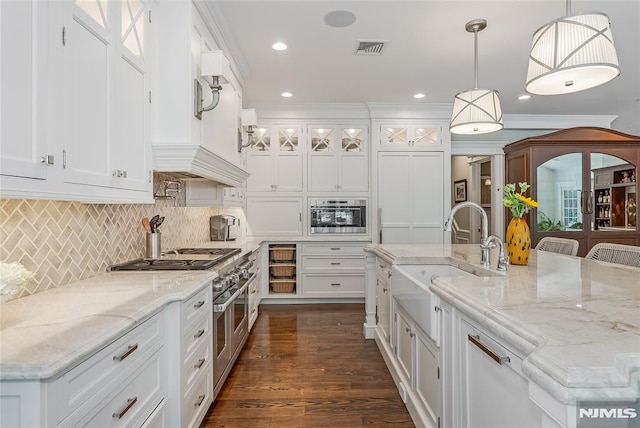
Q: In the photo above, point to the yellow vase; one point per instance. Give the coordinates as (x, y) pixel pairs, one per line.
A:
(518, 241)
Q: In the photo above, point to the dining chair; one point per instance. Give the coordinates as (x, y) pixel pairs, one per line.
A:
(558, 245)
(615, 253)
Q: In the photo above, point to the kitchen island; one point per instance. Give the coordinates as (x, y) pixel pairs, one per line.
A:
(571, 325)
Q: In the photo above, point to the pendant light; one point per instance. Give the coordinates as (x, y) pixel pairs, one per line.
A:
(571, 54)
(476, 111)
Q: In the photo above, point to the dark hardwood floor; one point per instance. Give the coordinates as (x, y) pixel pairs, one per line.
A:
(309, 366)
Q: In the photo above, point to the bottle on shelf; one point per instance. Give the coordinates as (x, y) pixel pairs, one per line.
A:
(600, 199)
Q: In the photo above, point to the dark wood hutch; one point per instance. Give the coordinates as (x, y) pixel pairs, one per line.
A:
(585, 181)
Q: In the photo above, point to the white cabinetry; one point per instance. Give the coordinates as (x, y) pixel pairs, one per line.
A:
(333, 269)
(120, 385)
(255, 287)
(274, 159)
(418, 362)
(338, 159)
(189, 326)
(75, 100)
(274, 216)
(105, 97)
(411, 197)
(383, 298)
(24, 89)
(494, 392)
(403, 136)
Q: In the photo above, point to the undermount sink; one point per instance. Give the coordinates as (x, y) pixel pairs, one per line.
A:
(409, 286)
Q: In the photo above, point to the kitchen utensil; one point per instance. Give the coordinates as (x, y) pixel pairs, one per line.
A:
(146, 224)
(153, 222)
(159, 223)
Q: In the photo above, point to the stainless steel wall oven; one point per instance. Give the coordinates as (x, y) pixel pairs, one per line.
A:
(338, 216)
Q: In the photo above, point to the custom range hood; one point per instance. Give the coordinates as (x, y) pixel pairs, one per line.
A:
(194, 160)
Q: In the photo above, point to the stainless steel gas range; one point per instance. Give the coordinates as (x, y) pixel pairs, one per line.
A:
(230, 297)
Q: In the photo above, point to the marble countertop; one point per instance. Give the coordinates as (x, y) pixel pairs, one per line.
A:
(575, 322)
(48, 333)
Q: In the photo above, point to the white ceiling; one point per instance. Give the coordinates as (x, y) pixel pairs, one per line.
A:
(428, 51)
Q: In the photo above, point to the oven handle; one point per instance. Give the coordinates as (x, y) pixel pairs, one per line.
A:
(223, 307)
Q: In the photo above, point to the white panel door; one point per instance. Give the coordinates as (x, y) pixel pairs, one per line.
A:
(411, 197)
(274, 216)
(427, 198)
(87, 62)
(260, 166)
(493, 394)
(23, 88)
(130, 145)
(354, 173)
(427, 376)
(289, 172)
(323, 172)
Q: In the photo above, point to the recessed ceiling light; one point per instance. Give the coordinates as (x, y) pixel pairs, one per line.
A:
(279, 46)
(287, 94)
(339, 18)
(524, 97)
(418, 96)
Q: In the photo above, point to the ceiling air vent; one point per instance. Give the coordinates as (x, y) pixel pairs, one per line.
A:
(370, 47)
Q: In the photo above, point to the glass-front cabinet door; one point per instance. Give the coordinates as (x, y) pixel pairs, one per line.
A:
(588, 196)
(560, 194)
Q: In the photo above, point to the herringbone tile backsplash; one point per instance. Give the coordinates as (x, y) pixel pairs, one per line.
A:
(61, 242)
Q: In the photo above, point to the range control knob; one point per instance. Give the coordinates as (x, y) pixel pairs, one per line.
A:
(244, 273)
(234, 278)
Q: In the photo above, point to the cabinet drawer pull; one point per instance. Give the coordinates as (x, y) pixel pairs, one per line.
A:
(253, 311)
(200, 363)
(198, 334)
(384, 290)
(335, 248)
(199, 304)
(126, 353)
(335, 263)
(335, 284)
(475, 339)
(407, 329)
(200, 400)
(121, 413)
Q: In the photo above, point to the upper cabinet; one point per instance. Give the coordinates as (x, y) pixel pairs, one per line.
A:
(274, 159)
(338, 159)
(105, 95)
(24, 142)
(75, 100)
(410, 136)
(585, 182)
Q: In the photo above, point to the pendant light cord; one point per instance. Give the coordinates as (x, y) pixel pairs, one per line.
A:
(475, 59)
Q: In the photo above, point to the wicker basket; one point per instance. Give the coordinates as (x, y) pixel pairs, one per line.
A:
(282, 286)
(283, 253)
(283, 270)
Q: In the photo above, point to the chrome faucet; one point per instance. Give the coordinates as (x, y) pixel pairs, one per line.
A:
(484, 231)
(502, 259)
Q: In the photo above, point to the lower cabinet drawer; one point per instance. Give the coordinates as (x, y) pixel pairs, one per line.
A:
(158, 418)
(197, 363)
(198, 333)
(130, 403)
(333, 285)
(333, 263)
(338, 249)
(196, 402)
(92, 375)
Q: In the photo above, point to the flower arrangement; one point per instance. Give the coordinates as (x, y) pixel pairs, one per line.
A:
(13, 277)
(516, 201)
